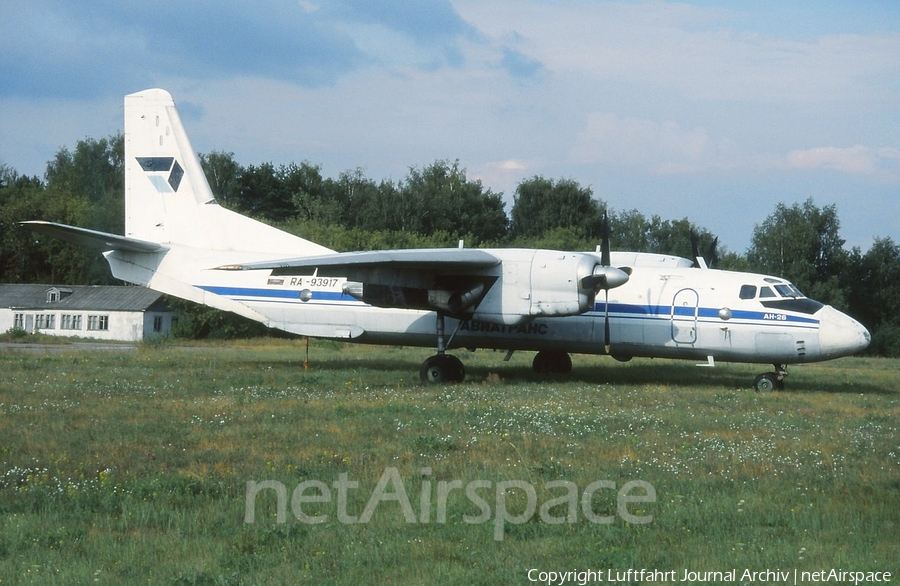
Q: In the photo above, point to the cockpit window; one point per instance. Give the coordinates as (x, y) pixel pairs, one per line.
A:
(778, 289)
(748, 291)
(788, 291)
(787, 298)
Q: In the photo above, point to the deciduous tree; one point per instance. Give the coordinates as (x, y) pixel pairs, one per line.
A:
(802, 243)
(542, 204)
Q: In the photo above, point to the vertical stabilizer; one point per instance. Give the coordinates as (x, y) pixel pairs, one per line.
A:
(167, 197)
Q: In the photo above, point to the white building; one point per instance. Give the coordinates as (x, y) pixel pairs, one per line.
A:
(129, 314)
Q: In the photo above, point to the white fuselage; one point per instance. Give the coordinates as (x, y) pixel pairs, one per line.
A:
(665, 310)
(506, 299)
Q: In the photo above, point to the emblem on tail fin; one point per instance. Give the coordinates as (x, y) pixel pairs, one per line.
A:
(164, 172)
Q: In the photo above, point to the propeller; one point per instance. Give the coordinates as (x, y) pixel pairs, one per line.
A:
(711, 256)
(605, 276)
(695, 247)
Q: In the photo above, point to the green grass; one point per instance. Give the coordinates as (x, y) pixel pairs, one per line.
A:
(132, 467)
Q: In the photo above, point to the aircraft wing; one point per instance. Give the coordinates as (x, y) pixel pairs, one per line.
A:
(352, 264)
(102, 241)
(431, 259)
(452, 280)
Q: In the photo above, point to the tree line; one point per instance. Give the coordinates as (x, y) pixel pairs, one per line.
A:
(434, 206)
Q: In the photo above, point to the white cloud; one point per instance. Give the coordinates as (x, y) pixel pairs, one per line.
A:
(882, 163)
(502, 176)
(668, 148)
(661, 147)
(691, 50)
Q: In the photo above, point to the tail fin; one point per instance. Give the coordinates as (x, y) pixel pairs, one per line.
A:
(167, 197)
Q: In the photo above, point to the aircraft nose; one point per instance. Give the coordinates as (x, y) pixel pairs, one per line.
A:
(840, 334)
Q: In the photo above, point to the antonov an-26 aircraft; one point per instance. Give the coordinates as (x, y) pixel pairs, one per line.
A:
(179, 241)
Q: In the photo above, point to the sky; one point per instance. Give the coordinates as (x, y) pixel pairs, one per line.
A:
(711, 111)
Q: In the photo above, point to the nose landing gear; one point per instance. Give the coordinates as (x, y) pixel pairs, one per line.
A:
(771, 381)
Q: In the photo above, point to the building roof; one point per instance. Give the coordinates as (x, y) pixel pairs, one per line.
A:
(80, 298)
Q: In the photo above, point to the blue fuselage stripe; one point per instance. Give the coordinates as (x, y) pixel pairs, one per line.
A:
(274, 294)
(701, 313)
(620, 310)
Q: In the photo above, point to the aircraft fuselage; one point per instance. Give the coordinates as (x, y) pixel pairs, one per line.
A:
(662, 311)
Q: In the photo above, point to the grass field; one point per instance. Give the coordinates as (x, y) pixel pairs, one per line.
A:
(133, 468)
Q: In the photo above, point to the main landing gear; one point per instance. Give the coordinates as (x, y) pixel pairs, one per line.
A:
(771, 381)
(442, 367)
(552, 362)
(445, 368)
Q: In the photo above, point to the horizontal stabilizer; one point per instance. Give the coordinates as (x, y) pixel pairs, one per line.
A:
(102, 241)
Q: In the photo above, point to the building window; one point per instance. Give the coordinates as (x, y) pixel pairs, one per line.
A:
(55, 294)
(19, 321)
(98, 322)
(157, 323)
(68, 321)
(45, 321)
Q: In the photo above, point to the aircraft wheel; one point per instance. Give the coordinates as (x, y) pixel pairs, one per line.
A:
(442, 368)
(767, 382)
(552, 361)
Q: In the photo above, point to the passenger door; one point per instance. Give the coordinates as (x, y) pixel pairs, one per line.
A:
(685, 310)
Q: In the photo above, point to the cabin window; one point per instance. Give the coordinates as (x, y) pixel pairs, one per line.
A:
(748, 292)
(766, 292)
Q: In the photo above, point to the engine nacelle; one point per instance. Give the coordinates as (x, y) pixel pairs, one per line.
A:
(556, 283)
